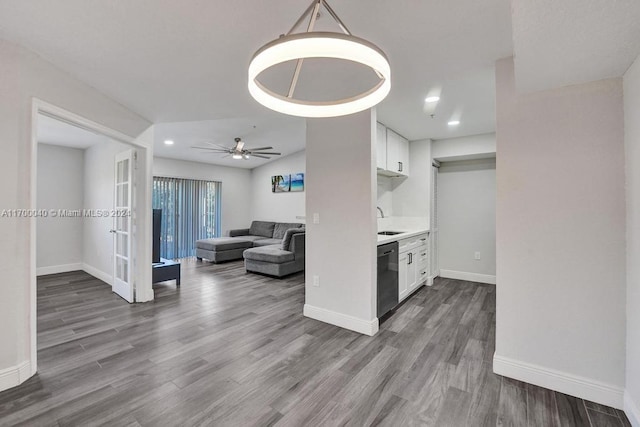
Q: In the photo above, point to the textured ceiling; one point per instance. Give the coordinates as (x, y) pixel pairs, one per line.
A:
(560, 43)
(187, 60)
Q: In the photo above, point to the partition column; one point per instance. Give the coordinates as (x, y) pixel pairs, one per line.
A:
(341, 222)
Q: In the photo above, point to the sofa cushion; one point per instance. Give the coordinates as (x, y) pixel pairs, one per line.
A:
(224, 243)
(239, 232)
(252, 239)
(266, 242)
(282, 227)
(288, 235)
(262, 228)
(273, 254)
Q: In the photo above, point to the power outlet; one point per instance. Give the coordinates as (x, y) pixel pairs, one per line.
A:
(316, 281)
(316, 218)
(477, 255)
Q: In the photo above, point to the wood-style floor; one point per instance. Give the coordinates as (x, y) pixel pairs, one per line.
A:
(230, 348)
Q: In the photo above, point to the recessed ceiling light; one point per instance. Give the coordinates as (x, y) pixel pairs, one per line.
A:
(454, 123)
(168, 142)
(431, 99)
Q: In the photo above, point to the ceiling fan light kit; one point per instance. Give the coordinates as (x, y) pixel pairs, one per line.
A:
(318, 44)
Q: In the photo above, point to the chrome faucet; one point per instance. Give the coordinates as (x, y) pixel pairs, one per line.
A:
(381, 213)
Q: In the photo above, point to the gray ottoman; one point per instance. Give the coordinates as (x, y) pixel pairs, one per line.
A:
(222, 249)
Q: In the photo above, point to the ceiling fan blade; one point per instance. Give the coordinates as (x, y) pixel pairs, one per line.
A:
(213, 150)
(262, 152)
(258, 155)
(217, 145)
(260, 148)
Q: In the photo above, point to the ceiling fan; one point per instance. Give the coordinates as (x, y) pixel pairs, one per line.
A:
(239, 152)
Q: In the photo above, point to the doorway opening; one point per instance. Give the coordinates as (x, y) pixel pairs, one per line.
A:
(93, 205)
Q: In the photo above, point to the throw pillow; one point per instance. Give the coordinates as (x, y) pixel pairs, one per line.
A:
(288, 235)
(282, 227)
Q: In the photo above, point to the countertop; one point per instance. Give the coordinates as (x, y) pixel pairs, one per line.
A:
(404, 235)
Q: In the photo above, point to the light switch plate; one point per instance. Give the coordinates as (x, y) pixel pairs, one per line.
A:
(316, 218)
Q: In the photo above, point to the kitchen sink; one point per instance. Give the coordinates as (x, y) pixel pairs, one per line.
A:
(389, 233)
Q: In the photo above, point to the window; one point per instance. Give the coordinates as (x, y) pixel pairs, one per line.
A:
(190, 211)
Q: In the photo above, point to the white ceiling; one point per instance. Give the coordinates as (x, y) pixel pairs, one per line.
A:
(285, 134)
(55, 132)
(560, 43)
(187, 60)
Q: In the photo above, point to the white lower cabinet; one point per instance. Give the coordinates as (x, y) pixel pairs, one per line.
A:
(403, 274)
(413, 263)
(423, 263)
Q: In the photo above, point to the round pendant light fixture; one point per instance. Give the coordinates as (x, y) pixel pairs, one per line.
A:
(310, 44)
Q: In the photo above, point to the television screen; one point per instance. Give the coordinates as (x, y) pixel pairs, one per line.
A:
(157, 224)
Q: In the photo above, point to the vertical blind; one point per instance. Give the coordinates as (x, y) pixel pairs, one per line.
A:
(190, 211)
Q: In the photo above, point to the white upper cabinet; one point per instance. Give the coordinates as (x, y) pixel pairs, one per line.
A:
(381, 146)
(393, 152)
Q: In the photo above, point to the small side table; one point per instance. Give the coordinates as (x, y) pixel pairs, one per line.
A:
(166, 270)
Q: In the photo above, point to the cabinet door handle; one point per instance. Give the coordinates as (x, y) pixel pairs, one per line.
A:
(424, 253)
(399, 166)
(424, 240)
(410, 258)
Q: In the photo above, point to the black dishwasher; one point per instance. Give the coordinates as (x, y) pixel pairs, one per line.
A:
(387, 278)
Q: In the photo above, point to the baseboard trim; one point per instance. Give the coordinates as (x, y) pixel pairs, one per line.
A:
(469, 277)
(107, 278)
(584, 388)
(15, 375)
(342, 320)
(632, 411)
(55, 269)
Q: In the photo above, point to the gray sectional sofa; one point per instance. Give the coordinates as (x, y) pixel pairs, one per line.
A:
(278, 260)
(273, 248)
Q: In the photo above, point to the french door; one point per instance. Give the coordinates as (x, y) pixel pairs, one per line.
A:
(122, 265)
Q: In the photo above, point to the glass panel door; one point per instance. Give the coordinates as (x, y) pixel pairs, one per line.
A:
(122, 282)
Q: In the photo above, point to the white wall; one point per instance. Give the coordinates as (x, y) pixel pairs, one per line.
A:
(467, 219)
(411, 196)
(236, 187)
(60, 186)
(465, 148)
(99, 178)
(24, 76)
(632, 151)
(560, 221)
(385, 195)
(282, 207)
(341, 249)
